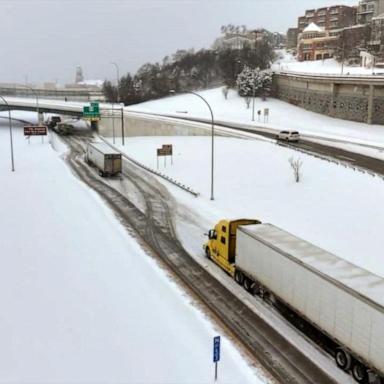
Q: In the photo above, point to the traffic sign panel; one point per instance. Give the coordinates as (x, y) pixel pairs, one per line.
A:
(35, 130)
(216, 349)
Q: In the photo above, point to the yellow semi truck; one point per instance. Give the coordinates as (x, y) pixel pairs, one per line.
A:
(221, 245)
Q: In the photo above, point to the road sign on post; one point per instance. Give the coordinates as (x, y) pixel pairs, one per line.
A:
(216, 353)
(35, 130)
(266, 115)
(165, 150)
(92, 112)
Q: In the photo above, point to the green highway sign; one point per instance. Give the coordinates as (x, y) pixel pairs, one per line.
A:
(92, 111)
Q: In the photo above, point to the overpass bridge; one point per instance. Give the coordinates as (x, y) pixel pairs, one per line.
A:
(86, 93)
(70, 108)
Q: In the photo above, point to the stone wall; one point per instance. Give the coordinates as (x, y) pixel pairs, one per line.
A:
(361, 102)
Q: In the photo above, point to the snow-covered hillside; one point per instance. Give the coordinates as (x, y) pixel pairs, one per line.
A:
(282, 115)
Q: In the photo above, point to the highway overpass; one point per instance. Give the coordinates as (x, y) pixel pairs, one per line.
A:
(75, 94)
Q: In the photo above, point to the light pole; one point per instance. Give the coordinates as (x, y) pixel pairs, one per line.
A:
(113, 123)
(212, 137)
(255, 71)
(10, 132)
(118, 80)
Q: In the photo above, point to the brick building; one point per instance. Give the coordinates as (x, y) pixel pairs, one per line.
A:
(376, 42)
(335, 17)
(368, 9)
(315, 43)
(352, 41)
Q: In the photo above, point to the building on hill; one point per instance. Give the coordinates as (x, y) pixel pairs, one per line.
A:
(315, 43)
(238, 38)
(368, 9)
(292, 35)
(352, 41)
(335, 17)
(376, 42)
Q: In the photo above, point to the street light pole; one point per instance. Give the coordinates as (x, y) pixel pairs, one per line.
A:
(212, 138)
(118, 80)
(10, 132)
(113, 123)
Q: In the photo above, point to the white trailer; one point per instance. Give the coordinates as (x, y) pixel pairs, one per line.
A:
(102, 156)
(343, 301)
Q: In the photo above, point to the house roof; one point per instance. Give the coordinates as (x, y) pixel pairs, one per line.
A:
(313, 28)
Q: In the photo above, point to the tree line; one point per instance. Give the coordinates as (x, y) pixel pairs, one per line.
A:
(191, 70)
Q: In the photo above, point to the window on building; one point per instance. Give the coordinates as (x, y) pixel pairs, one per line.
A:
(222, 239)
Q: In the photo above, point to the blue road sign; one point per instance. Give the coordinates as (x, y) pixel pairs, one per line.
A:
(216, 349)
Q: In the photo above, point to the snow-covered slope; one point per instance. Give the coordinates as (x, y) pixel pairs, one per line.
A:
(81, 302)
(282, 115)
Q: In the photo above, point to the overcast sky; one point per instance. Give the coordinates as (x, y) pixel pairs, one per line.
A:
(46, 39)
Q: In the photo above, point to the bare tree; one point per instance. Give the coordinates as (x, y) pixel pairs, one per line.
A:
(296, 167)
(225, 91)
(248, 101)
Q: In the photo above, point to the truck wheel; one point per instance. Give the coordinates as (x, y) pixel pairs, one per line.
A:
(249, 285)
(239, 277)
(208, 253)
(343, 359)
(359, 373)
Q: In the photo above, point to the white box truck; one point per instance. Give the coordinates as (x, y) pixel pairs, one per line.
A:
(104, 158)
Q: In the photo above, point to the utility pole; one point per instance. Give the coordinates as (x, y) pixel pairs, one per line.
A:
(122, 126)
(342, 58)
(10, 132)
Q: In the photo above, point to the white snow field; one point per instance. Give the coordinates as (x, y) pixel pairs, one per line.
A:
(282, 115)
(333, 207)
(81, 301)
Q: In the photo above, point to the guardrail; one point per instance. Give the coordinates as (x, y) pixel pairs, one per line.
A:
(153, 171)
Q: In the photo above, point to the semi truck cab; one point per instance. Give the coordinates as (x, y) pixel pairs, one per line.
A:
(221, 244)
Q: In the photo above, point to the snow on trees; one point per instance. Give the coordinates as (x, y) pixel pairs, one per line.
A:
(253, 82)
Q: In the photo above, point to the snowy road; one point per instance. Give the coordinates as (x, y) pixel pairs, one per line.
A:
(153, 223)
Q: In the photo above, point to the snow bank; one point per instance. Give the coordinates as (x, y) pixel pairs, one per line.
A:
(81, 301)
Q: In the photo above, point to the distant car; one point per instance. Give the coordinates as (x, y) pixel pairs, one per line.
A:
(53, 120)
(292, 136)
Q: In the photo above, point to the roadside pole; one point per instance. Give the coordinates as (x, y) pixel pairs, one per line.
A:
(216, 353)
(122, 126)
(113, 124)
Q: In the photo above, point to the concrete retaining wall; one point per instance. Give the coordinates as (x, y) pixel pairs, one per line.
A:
(344, 98)
(142, 125)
